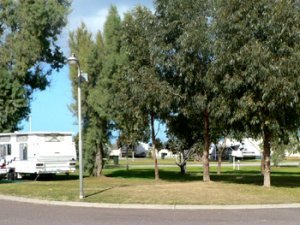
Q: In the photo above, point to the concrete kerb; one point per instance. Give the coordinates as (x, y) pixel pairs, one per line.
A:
(147, 206)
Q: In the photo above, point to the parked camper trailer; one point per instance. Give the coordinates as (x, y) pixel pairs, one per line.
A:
(247, 148)
(37, 152)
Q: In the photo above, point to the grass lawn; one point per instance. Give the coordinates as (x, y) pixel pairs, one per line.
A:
(138, 186)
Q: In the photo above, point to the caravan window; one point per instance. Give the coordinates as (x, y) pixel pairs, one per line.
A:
(22, 138)
(54, 138)
(23, 151)
(5, 150)
(4, 138)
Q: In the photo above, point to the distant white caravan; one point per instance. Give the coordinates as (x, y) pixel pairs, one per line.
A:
(246, 148)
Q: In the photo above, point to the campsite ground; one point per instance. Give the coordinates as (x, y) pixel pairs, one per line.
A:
(137, 185)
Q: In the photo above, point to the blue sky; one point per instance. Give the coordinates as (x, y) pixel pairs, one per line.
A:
(50, 108)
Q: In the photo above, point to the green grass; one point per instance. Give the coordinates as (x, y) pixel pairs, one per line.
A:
(138, 186)
(144, 161)
(168, 161)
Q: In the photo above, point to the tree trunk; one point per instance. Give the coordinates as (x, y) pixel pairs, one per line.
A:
(99, 160)
(183, 168)
(206, 176)
(220, 153)
(127, 161)
(262, 169)
(153, 147)
(219, 161)
(267, 151)
(181, 162)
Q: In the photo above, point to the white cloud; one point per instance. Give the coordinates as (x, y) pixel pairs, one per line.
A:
(94, 16)
(94, 22)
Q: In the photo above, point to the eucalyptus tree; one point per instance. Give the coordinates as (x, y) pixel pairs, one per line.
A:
(183, 133)
(98, 125)
(257, 64)
(184, 56)
(90, 54)
(101, 97)
(147, 92)
(28, 32)
(127, 116)
(124, 104)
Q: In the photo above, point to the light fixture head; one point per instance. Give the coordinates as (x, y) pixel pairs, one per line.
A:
(73, 59)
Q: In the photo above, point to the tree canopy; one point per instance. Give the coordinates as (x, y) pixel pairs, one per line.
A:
(257, 56)
(28, 31)
(207, 68)
(184, 56)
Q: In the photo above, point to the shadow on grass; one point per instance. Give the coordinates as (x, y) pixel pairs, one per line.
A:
(4, 181)
(98, 192)
(257, 179)
(251, 177)
(149, 174)
(50, 177)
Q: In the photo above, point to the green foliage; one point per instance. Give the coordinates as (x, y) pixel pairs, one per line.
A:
(182, 129)
(282, 146)
(208, 68)
(137, 80)
(102, 96)
(112, 31)
(294, 143)
(257, 50)
(138, 34)
(278, 154)
(100, 59)
(28, 32)
(148, 91)
(91, 55)
(184, 56)
(257, 55)
(13, 102)
(81, 44)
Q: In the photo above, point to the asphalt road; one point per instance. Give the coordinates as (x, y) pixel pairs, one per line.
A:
(16, 213)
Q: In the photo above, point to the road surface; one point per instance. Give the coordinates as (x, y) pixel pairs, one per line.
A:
(16, 213)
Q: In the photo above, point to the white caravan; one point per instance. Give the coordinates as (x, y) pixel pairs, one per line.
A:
(37, 152)
(246, 148)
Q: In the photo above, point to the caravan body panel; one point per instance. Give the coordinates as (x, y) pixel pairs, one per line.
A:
(38, 152)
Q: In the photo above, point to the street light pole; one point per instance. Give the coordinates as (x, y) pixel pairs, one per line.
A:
(74, 60)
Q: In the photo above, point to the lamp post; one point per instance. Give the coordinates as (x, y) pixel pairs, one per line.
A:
(73, 60)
